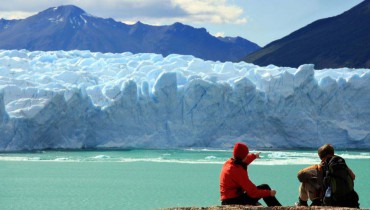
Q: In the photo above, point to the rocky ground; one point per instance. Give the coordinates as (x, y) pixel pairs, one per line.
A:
(236, 207)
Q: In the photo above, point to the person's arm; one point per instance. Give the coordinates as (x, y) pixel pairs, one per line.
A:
(250, 188)
(353, 176)
(251, 157)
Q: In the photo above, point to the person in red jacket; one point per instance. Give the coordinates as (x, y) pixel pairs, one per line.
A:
(235, 185)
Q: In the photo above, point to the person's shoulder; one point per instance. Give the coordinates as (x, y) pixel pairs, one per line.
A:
(309, 168)
(335, 158)
(228, 161)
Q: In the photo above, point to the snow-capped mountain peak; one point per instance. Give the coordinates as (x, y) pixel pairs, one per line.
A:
(68, 14)
(66, 11)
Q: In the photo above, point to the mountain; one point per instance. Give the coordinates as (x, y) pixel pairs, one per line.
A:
(4, 24)
(69, 27)
(340, 41)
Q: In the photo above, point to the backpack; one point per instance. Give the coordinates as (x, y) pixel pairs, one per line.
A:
(338, 183)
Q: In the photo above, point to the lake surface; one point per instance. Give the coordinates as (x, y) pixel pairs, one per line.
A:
(149, 179)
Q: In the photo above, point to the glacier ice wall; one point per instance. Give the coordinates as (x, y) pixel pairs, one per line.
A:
(79, 99)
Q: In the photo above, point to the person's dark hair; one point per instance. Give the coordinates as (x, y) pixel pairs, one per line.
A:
(239, 161)
(325, 150)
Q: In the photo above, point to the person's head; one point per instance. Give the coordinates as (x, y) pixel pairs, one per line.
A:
(240, 151)
(327, 150)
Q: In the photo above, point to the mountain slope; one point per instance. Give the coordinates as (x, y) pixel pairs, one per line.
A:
(340, 41)
(69, 27)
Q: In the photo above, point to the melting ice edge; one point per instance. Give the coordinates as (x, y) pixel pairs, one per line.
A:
(80, 99)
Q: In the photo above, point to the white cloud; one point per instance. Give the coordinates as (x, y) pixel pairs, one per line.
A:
(15, 15)
(213, 11)
(219, 34)
(149, 11)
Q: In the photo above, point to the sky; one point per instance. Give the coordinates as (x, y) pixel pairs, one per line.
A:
(259, 21)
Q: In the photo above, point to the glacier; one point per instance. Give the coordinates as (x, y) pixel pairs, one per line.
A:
(82, 99)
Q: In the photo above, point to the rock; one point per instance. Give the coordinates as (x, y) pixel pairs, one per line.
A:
(238, 207)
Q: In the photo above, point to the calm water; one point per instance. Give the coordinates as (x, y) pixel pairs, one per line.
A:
(148, 179)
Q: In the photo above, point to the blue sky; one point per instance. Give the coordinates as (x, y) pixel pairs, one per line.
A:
(260, 21)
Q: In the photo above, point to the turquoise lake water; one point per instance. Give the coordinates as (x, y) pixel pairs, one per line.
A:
(149, 179)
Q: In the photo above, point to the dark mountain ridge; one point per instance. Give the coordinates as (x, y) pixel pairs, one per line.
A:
(69, 27)
(340, 41)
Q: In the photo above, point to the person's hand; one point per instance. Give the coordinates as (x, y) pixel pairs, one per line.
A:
(257, 154)
(273, 193)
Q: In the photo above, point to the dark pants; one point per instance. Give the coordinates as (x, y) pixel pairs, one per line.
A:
(244, 199)
(350, 200)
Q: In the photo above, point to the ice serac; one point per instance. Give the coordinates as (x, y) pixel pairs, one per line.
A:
(79, 99)
(3, 114)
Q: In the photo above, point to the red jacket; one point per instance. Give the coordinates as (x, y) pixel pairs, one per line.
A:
(234, 177)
